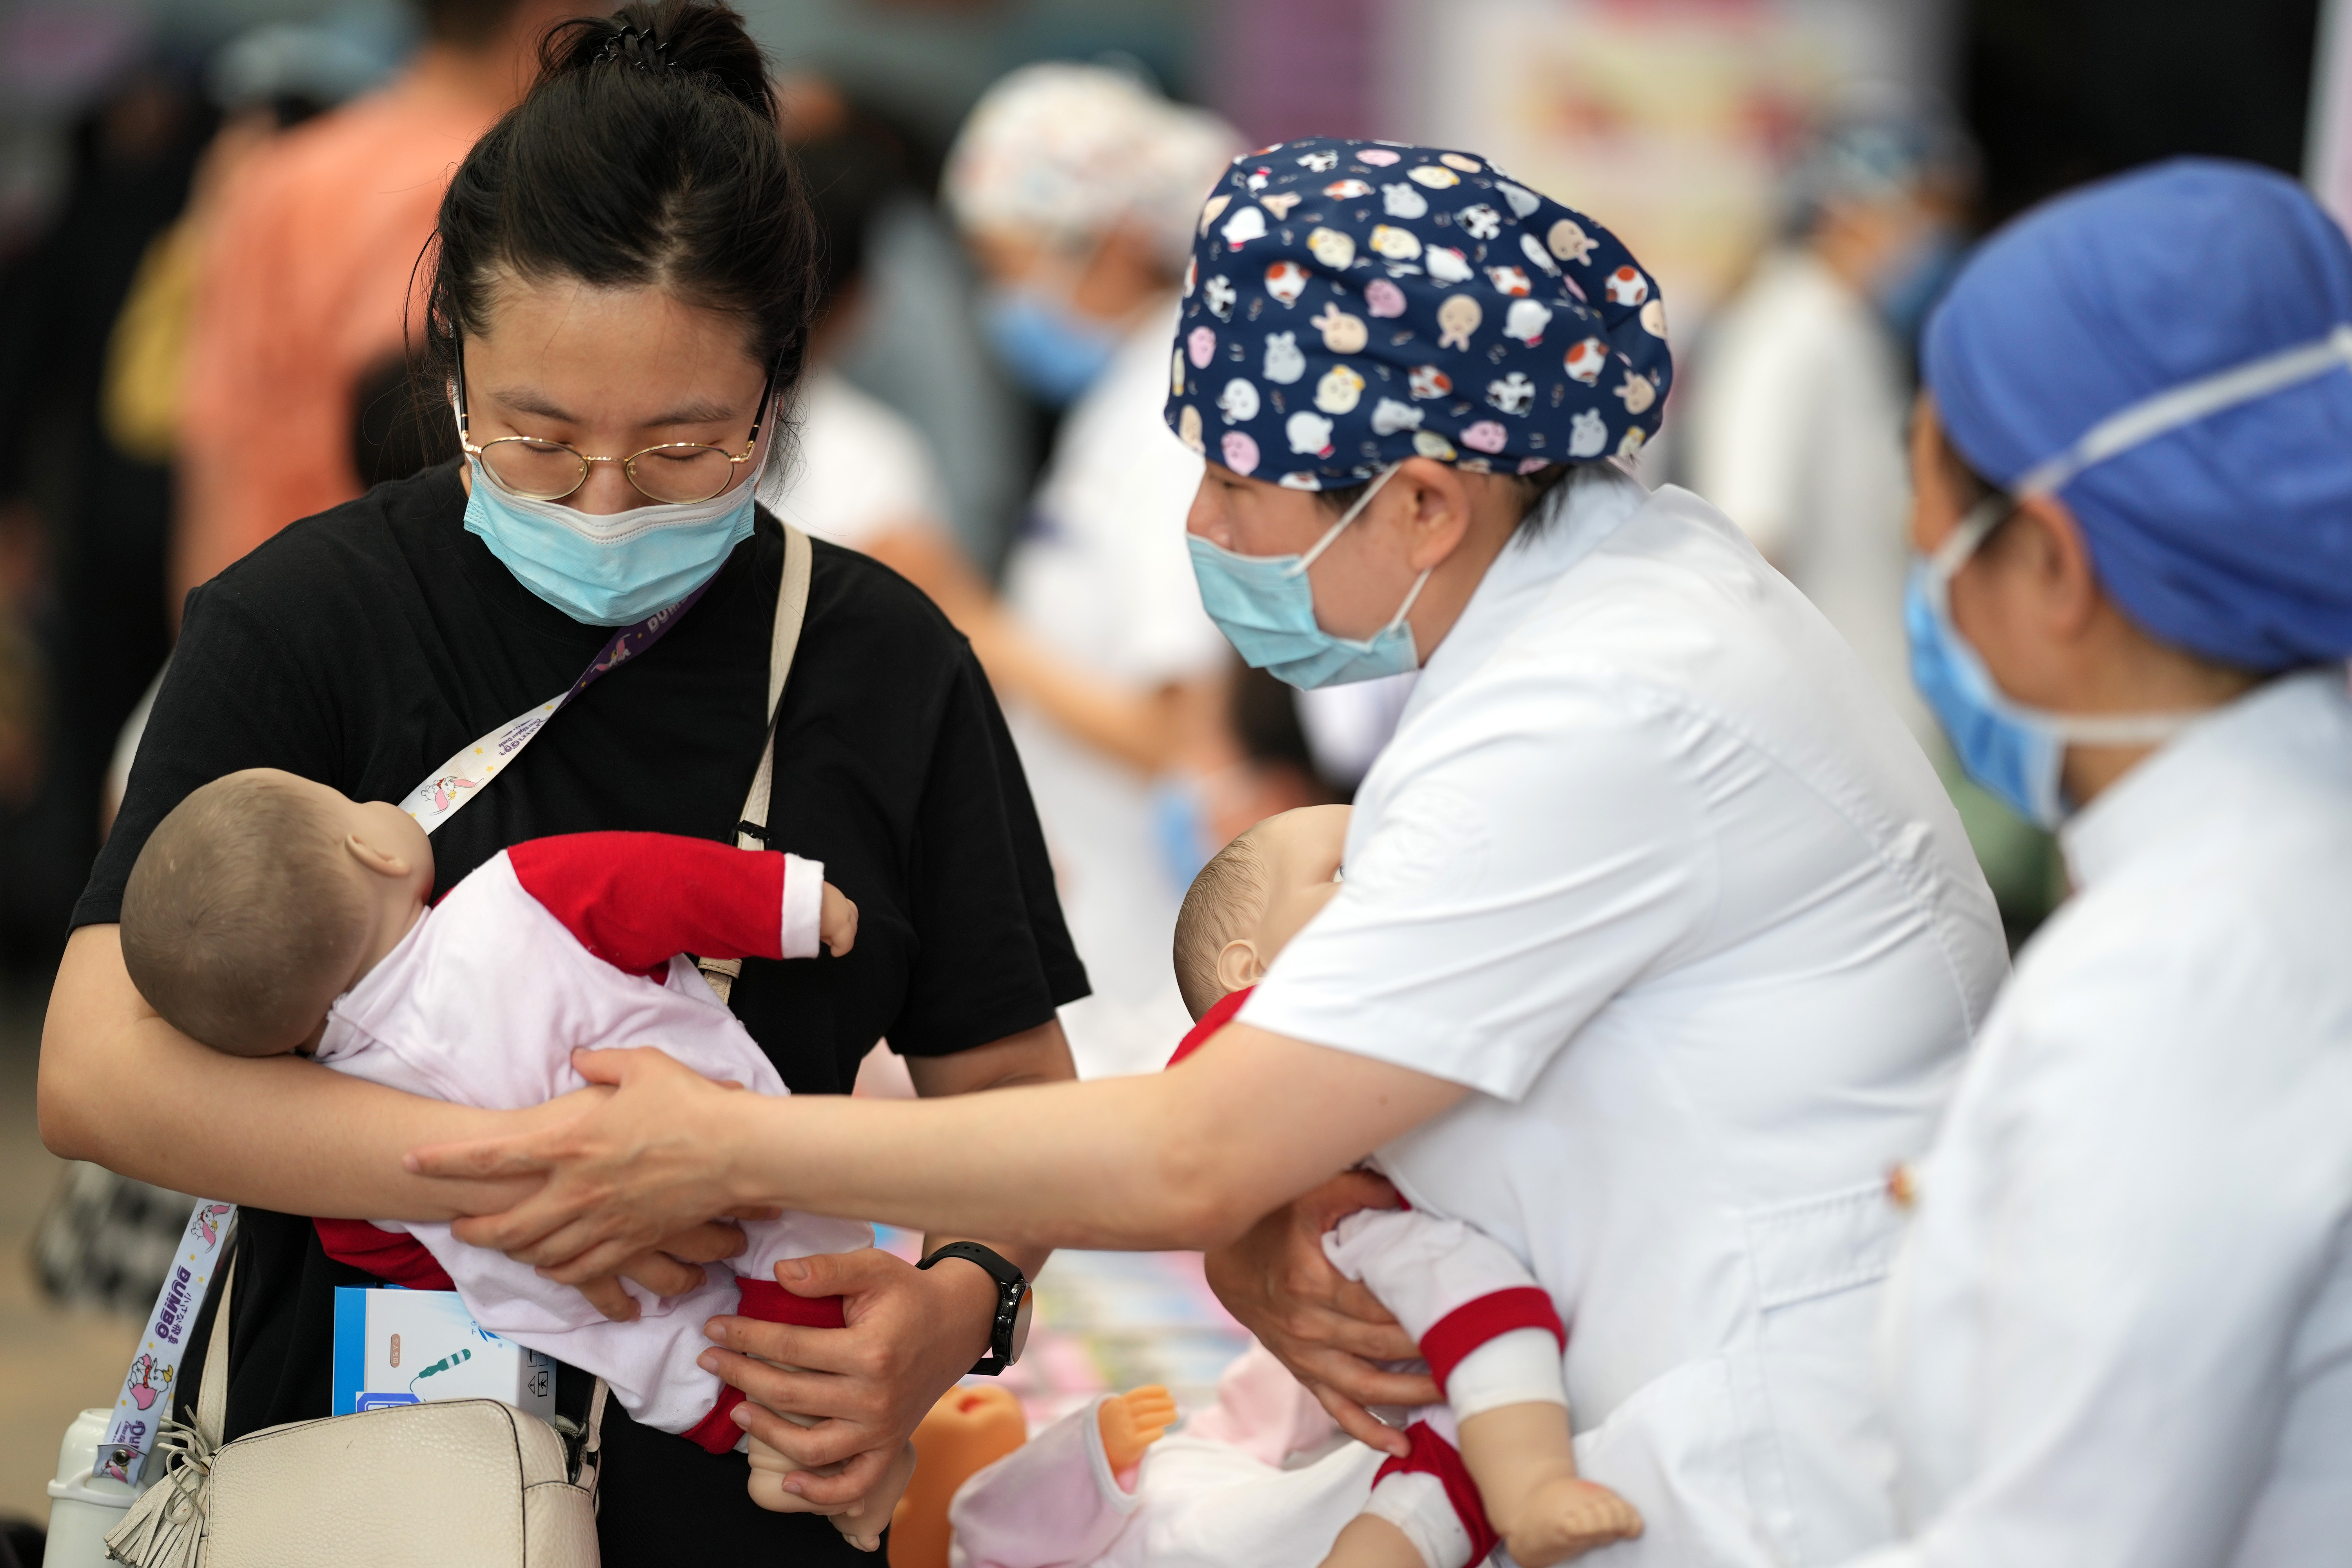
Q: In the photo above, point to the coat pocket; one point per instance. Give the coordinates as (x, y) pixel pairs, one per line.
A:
(1819, 1462)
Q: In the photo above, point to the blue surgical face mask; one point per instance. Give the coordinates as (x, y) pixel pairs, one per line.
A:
(616, 570)
(1266, 607)
(2017, 753)
(1048, 347)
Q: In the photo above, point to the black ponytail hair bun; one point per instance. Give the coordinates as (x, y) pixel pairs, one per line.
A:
(706, 42)
(646, 154)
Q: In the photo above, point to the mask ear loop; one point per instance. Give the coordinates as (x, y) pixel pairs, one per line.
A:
(1346, 518)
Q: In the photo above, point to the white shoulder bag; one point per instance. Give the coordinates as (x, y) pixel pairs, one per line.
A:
(465, 1483)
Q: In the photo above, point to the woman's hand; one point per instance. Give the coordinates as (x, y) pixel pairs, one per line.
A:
(911, 1333)
(672, 1269)
(1325, 1327)
(626, 1175)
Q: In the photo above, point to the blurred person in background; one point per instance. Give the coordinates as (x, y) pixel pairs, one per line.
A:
(861, 474)
(1797, 413)
(1798, 404)
(264, 82)
(306, 290)
(913, 340)
(84, 504)
(1076, 187)
(2120, 1330)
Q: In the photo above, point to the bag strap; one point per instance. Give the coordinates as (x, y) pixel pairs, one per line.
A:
(164, 1525)
(751, 831)
(212, 1389)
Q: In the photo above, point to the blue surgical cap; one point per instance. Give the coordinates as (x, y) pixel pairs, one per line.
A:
(2229, 535)
(1351, 304)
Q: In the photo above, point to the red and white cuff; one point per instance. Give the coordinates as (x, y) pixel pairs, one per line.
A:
(803, 906)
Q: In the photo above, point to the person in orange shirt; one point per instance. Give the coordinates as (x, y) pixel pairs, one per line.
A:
(308, 285)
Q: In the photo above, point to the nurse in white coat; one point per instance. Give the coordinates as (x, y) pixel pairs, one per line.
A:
(1075, 186)
(2121, 1331)
(1659, 943)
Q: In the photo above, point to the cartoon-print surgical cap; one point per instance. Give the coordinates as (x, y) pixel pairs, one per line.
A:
(1066, 153)
(2228, 532)
(1351, 304)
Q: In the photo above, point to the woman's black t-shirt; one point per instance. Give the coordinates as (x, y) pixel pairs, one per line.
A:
(363, 647)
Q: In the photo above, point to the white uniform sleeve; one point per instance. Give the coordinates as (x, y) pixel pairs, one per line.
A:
(2115, 1206)
(1543, 847)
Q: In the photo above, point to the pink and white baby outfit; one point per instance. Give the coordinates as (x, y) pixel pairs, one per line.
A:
(579, 941)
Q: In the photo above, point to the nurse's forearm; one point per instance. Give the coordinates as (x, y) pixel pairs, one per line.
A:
(1186, 1158)
(120, 1086)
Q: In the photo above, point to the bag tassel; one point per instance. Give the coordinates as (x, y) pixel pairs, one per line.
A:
(164, 1528)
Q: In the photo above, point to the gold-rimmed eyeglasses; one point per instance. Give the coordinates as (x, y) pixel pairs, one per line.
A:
(673, 473)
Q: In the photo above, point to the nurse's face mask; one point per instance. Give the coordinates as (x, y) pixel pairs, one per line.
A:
(617, 569)
(2020, 753)
(2017, 753)
(1265, 606)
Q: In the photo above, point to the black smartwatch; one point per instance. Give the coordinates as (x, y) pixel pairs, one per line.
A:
(1011, 1332)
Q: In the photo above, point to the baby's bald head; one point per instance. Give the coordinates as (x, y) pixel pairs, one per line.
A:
(242, 919)
(1252, 898)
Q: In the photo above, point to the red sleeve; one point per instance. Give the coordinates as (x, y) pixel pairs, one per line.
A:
(769, 1303)
(634, 899)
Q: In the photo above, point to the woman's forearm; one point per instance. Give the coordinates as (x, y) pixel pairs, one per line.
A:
(120, 1086)
(1183, 1159)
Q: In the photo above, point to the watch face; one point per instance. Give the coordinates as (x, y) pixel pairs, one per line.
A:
(1021, 1326)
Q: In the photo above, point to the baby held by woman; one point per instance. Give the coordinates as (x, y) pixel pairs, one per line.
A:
(270, 915)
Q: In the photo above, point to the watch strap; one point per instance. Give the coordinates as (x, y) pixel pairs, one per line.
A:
(1012, 1285)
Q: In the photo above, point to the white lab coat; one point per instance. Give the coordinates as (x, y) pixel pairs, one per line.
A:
(857, 468)
(1652, 868)
(1795, 429)
(2121, 1331)
(1102, 577)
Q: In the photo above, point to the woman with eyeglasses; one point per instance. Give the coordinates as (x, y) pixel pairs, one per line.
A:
(622, 288)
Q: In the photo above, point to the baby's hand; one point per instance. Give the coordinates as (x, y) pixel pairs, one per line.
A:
(836, 925)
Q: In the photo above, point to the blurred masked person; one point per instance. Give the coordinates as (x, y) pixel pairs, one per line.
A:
(2121, 1327)
(306, 287)
(1796, 407)
(1077, 188)
(861, 475)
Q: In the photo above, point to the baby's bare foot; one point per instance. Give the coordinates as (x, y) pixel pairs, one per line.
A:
(1567, 1517)
(766, 1485)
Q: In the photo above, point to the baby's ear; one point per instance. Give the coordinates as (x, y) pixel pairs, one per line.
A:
(375, 860)
(1238, 965)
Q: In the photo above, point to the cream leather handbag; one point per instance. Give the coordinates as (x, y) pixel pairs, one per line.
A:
(464, 1483)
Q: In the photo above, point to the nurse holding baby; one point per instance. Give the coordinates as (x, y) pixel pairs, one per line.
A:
(1658, 942)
